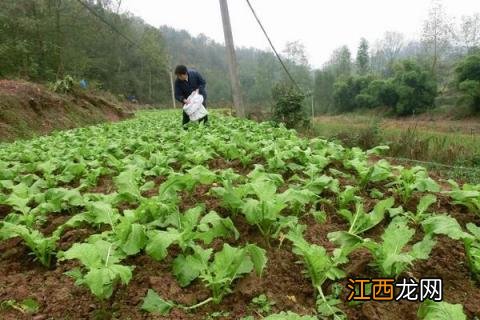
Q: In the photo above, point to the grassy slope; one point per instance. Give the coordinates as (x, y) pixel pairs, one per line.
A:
(426, 138)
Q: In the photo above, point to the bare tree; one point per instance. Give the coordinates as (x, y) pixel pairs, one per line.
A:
(392, 45)
(469, 34)
(437, 32)
(341, 62)
(386, 51)
(296, 52)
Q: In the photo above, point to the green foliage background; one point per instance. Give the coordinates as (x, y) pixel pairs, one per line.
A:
(44, 40)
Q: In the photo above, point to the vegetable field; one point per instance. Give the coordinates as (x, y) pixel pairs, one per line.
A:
(240, 220)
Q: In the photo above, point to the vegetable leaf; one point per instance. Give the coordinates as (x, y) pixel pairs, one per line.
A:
(153, 303)
(430, 310)
(446, 225)
(390, 256)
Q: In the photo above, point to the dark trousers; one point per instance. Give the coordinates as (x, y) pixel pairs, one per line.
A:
(186, 118)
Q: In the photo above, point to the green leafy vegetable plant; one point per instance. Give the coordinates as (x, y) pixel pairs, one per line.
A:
(472, 249)
(390, 255)
(186, 229)
(262, 304)
(444, 225)
(412, 180)
(101, 270)
(432, 310)
(468, 196)
(289, 316)
(230, 195)
(42, 247)
(421, 214)
(26, 306)
(319, 267)
(347, 197)
(360, 222)
(153, 303)
(228, 265)
(264, 211)
(379, 171)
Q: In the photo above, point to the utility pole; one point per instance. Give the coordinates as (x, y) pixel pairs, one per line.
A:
(170, 74)
(173, 90)
(232, 60)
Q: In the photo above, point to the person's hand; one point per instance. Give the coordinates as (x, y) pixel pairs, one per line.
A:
(185, 101)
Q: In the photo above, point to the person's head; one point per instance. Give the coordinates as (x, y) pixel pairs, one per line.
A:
(181, 72)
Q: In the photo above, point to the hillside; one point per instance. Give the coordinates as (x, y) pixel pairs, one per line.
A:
(28, 109)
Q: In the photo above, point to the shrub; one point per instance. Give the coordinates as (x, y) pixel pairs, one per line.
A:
(468, 79)
(63, 85)
(384, 92)
(344, 95)
(472, 89)
(364, 100)
(288, 106)
(468, 69)
(346, 91)
(410, 90)
(416, 88)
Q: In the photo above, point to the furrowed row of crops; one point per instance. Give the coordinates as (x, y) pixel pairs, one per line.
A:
(238, 220)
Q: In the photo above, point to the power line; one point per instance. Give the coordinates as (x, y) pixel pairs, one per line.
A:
(273, 47)
(133, 43)
(115, 29)
(92, 11)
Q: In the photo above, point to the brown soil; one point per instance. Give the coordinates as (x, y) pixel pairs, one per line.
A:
(236, 165)
(71, 236)
(57, 294)
(200, 194)
(448, 262)
(60, 298)
(154, 191)
(54, 220)
(5, 210)
(104, 185)
(27, 109)
(317, 233)
(283, 281)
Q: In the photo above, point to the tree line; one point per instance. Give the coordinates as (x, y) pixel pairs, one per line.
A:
(46, 40)
(259, 70)
(405, 76)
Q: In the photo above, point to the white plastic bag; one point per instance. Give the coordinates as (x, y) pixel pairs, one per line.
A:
(194, 107)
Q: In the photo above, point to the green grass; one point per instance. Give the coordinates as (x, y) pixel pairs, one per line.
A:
(460, 151)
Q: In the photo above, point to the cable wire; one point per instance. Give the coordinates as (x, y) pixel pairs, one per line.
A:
(133, 43)
(92, 11)
(273, 47)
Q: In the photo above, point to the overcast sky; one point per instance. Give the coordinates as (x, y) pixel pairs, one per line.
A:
(321, 25)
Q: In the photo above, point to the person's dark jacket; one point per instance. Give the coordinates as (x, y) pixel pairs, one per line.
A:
(183, 89)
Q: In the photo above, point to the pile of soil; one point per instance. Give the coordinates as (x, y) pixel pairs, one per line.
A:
(28, 109)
